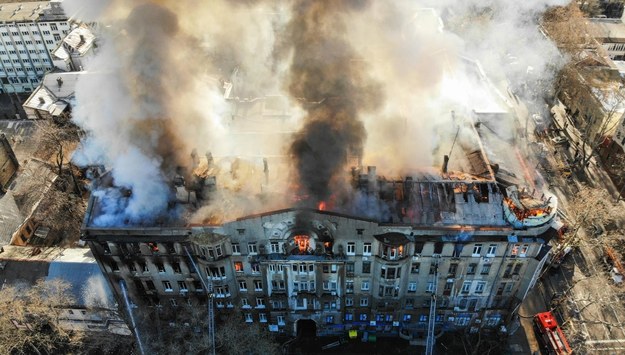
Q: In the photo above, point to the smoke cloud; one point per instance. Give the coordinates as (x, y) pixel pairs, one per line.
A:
(375, 80)
(333, 87)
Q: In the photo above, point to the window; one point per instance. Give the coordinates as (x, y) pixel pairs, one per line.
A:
(485, 269)
(407, 317)
(131, 267)
(492, 249)
(432, 269)
(349, 302)
(278, 284)
(242, 285)
(349, 286)
(260, 302)
(236, 248)
(182, 286)
(452, 270)
(167, 286)
(248, 318)
(477, 250)
(160, 267)
(390, 273)
(524, 250)
(329, 319)
(366, 267)
(366, 249)
(255, 268)
(238, 266)
(430, 288)
(349, 268)
(262, 317)
(258, 285)
(363, 317)
(275, 247)
(364, 285)
(414, 268)
(197, 285)
(333, 268)
(517, 269)
(412, 287)
(219, 250)
(280, 320)
(245, 303)
(471, 269)
(466, 287)
(173, 302)
(479, 288)
(44, 32)
(114, 266)
(217, 272)
(252, 248)
(423, 318)
(349, 317)
(176, 267)
(143, 266)
(351, 248)
(509, 287)
(326, 268)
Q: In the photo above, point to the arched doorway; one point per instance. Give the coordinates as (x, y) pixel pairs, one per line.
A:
(306, 328)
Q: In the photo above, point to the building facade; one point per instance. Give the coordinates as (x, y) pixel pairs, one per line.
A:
(29, 33)
(470, 245)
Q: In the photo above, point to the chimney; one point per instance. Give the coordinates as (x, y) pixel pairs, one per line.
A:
(59, 81)
(42, 100)
(82, 40)
(445, 163)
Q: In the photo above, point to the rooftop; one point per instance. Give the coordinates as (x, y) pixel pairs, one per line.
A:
(610, 30)
(28, 11)
(55, 93)
(78, 41)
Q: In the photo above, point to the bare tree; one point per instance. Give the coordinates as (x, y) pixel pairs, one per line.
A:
(183, 329)
(30, 319)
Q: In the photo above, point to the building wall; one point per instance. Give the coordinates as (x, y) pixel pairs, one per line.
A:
(8, 162)
(362, 284)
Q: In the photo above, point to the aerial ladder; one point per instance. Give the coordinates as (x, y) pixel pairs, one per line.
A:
(429, 342)
(208, 286)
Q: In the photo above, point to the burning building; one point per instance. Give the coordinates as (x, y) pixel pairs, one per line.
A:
(315, 235)
(473, 242)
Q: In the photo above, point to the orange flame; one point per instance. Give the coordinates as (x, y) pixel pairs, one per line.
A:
(321, 206)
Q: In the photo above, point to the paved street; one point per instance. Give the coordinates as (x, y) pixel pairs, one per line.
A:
(580, 292)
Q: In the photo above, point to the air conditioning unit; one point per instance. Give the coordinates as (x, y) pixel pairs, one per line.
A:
(487, 260)
(416, 257)
(456, 309)
(333, 293)
(365, 258)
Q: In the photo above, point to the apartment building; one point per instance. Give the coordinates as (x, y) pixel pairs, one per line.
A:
(29, 33)
(471, 245)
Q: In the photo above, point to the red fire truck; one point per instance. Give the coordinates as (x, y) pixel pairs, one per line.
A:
(552, 337)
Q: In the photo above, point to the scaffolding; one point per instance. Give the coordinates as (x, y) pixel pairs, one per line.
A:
(429, 342)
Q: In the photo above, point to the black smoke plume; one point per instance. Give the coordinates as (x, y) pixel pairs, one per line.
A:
(330, 80)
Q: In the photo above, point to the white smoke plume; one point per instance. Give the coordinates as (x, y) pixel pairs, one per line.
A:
(156, 86)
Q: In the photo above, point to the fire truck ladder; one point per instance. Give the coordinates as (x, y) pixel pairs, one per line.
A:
(429, 342)
(208, 286)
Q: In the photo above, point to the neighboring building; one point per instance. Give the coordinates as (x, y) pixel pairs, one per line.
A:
(611, 35)
(20, 222)
(8, 162)
(94, 308)
(53, 97)
(74, 48)
(29, 33)
(468, 246)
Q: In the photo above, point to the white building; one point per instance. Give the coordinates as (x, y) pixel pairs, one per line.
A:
(29, 32)
(72, 50)
(52, 98)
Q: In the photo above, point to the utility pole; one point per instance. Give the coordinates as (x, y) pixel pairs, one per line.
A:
(208, 286)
